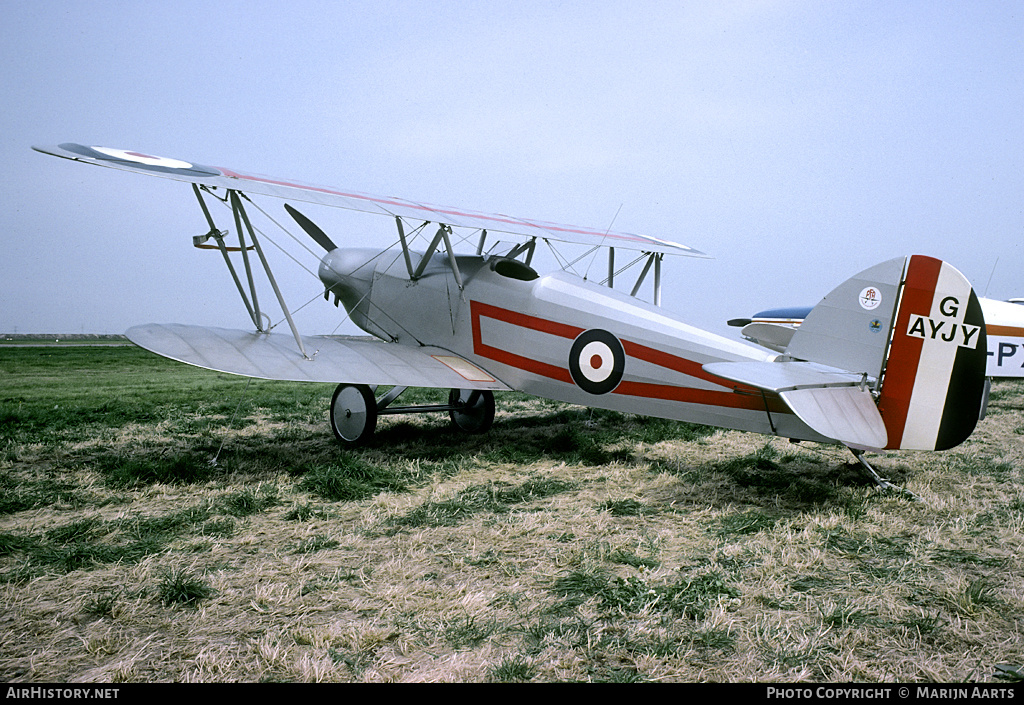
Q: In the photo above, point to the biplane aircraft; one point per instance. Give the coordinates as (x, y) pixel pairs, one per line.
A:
(893, 358)
(1004, 328)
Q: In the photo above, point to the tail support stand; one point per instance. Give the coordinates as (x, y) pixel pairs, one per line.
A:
(881, 482)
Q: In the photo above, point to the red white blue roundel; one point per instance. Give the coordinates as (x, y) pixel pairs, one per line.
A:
(127, 158)
(596, 361)
(140, 158)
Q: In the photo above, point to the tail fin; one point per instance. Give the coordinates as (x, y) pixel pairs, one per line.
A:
(915, 327)
(934, 380)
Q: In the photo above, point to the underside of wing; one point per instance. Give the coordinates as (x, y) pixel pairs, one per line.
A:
(219, 177)
(331, 359)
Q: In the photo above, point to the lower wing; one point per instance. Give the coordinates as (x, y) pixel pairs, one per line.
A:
(331, 359)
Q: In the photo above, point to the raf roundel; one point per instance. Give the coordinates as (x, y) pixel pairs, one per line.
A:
(596, 361)
(145, 159)
(129, 159)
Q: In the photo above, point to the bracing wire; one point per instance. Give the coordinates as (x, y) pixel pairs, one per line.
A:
(248, 381)
(603, 238)
(264, 234)
(620, 270)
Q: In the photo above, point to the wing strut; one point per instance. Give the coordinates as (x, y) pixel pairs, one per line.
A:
(529, 247)
(236, 210)
(405, 245)
(236, 206)
(218, 236)
(443, 231)
(251, 301)
(654, 258)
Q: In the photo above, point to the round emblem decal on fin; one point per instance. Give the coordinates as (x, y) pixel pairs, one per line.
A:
(870, 298)
(596, 361)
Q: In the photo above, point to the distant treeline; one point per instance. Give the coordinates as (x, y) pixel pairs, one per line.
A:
(61, 336)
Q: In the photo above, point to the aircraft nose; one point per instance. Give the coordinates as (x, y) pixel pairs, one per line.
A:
(348, 273)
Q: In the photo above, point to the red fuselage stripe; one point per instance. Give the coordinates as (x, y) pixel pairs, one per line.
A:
(668, 392)
(671, 362)
(709, 397)
(522, 320)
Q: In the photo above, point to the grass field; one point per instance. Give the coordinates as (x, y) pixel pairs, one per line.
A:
(163, 523)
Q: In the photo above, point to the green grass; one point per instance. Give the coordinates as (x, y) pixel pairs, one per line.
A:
(490, 498)
(72, 392)
(514, 669)
(680, 597)
(187, 525)
(349, 478)
(91, 542)
(181, 587)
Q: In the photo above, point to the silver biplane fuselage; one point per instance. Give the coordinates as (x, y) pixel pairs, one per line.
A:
(522, 327)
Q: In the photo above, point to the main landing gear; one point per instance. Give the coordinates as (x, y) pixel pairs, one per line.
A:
(354, 410)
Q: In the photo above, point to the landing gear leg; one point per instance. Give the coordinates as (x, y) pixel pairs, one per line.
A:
(881, 482)
(353, 413)
(472, 410)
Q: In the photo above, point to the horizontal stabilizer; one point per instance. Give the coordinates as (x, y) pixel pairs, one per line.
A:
(783, 376)
(847, 414)
(333, 359)
(833, 402)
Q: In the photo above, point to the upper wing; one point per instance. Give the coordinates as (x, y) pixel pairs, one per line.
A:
(282, 188)
(273, 356)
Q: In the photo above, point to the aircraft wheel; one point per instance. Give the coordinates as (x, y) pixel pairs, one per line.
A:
(476, 409)
(353, 413)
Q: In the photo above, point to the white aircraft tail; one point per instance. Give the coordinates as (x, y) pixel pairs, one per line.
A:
(914, 327)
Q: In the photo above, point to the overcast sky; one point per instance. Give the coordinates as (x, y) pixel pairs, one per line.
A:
(795, 142)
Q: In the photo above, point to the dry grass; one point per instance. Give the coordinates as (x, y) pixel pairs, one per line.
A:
(726, 557)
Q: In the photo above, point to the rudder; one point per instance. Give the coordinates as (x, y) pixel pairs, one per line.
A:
(934, 379)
